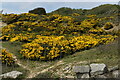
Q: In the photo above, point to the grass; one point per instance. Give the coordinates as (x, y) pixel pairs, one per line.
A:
(13, 47)
(46, 75)
(6, 69)
(14, 50)
(107, 54)
(33, 65)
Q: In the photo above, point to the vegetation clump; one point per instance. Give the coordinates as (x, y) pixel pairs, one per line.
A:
(40, 11)
(50, 36)
(108, 26)
(50, 47)
(7, 58)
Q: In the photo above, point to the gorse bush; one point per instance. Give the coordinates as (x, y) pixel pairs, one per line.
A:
(108, 26)
(11, 18)
(7, 58)
(23, 37)
(50, 47)
(28, 17)
(47, 25)
(75, 14)
(48, 37)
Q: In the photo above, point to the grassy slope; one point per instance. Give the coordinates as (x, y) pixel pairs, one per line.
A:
(107, 54)
(102, 10)
(32, 65)
(103, 52)
(13, 48)
(6, 69)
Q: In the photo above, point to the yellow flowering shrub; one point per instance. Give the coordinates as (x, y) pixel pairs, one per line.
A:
(96, 31)
(9, 18)
(23, 37)
(108, 26)
(8, 28)
(48, 37)
(91, 16)
(32, 51)
(28, 17)
(6, 57)
(44, 47)
(50, 47)
(63, 19)
(5, 38)
(89, 23)
(75, 14)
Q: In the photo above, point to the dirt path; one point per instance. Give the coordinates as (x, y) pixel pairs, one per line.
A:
(2, 24)
(33, 74)
(18, 62)
(37, 70)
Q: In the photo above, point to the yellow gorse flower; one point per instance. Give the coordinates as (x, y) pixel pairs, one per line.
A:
(6, 57)
(47, 37)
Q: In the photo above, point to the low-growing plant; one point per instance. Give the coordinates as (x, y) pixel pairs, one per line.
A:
(108, 26)
(7, 58)
(50, 47)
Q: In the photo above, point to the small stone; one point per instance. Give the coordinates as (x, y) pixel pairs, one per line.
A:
(85, 76)
(12, 74)
(79, 75)
(101, 76)
(115, 74)
(97, 69)
(67, 68)
(81, 69)
(113, 68)
(69, 76)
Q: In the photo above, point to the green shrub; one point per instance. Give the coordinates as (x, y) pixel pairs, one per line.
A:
(9, 18)
(40, 11)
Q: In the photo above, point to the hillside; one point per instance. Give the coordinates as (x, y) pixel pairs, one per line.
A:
(107, 9)
(101, 11)
(38, 45)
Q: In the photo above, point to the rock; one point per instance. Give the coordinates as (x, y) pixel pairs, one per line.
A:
(115, 74)
(12, 74)
(78, 75)
(67, 68)
(69, 76)
(2, 24)
(97, 69)
(113, 68)
(101, 76)
(85, 76)
(81, 69)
